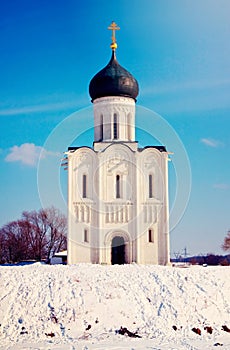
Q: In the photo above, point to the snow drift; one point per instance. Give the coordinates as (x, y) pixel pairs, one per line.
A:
(84, 307)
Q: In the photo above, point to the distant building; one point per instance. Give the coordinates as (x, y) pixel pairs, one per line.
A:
(59, 258)
(117, 192)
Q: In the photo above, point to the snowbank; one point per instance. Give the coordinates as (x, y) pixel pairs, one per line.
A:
(84, 306)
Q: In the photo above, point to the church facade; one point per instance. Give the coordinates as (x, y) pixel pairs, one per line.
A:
(117, 192)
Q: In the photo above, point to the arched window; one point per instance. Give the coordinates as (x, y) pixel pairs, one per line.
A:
(84, 186)
(118, 186)
(129, 133)
(151, 235)
(101, 128)
(86, 236)
(150, 186)
(115, 127)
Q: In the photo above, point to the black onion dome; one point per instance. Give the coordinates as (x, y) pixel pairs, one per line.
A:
(113, 80)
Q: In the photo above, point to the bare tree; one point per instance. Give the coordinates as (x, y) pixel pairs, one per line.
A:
(37, 235)
(37, 232)
(15, 243)
(57, 226)
(226, 245)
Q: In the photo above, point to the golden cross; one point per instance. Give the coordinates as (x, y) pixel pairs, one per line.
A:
(113, 26)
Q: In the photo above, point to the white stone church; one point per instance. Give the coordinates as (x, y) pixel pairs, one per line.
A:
(117, 192)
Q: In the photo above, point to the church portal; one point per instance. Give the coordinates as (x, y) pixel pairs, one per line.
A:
(118, 250)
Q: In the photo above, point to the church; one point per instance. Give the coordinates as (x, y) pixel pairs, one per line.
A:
(118, 209)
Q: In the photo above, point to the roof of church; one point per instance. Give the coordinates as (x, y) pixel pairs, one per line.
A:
(159, 148)
(113, 79)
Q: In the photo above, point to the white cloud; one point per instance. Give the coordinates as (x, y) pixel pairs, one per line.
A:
(211, 142)
(37, 108)
(70, 102)
(186, 96)
(28, 154)
(222, 186)
(172, 87)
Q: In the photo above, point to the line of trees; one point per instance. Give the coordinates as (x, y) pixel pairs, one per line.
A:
(36, 236)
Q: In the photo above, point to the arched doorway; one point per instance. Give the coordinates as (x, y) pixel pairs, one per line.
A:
(118, 250)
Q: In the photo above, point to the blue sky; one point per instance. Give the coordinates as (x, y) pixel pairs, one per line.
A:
(178, 50)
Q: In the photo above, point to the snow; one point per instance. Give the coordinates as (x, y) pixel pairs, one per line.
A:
(83, 306)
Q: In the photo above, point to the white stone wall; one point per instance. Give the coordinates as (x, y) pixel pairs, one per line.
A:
(153, 211)
(105, 216)
(104, 110)
(96, 213)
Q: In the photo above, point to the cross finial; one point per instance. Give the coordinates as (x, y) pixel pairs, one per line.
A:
(113, 26)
